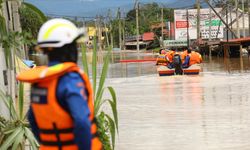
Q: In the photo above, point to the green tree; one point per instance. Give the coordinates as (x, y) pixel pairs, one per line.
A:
(31, 18)
(149, 15)
(149, 19)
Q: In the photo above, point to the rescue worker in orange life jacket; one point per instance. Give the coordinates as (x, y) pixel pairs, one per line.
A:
(161, 59)
(169, 57)
(184, 55)
(61, 114)
(192, 58)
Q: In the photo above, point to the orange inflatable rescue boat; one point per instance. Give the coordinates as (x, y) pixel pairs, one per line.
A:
(192, 70)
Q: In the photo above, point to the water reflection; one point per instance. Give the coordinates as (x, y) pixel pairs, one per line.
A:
(227, 65)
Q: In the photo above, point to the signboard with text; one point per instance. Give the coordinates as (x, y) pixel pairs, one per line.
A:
(174, 43)
(181, 24)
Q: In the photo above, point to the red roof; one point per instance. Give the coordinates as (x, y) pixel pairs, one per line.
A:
(246, 39)
(148, 36)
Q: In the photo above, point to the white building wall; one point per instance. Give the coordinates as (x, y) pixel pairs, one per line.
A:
(232, 18)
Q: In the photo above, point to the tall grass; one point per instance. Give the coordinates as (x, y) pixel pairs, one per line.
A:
(107, 125)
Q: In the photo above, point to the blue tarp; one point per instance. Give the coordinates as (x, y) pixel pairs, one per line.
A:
(29, 63)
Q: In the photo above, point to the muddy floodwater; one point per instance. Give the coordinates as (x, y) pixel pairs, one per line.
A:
(210, 111)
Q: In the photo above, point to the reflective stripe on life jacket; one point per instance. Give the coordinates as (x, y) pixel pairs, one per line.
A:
(54, 123)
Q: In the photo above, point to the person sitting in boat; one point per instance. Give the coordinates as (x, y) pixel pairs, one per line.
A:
(161, 59)
(192, 58)
(169, 56)
(184, 54)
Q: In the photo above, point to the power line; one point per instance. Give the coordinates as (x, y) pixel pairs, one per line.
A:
(82, 17)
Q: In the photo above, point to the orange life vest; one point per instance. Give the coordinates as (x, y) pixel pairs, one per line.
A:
(161, 59)
(195, 58)
(55, 124)
(170, 56)
(184, 55)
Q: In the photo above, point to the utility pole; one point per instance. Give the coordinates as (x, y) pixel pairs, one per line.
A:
(137, 26)
(170, 34)
(237, 18)
(123, 33)
(100, 33)
(231, 19)
(218, 15)
(210, 23)
(187, 17)
(198, 21)
(227, 20)
(248, 4)
(162, 37)
(243, 18)
(106, 34)
(111, 30)
(120, 32)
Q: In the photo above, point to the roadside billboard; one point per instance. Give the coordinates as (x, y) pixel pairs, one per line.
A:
(181, 24)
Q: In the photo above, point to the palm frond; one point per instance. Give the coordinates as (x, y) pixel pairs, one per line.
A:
(8, 101)
(33, 142)
(114, 111)
(11, 139)
(18, 140)
(103, 74)
(111, 129)
(98, 102)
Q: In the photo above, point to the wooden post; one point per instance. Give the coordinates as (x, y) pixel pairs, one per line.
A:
(241, 50)
(241, 59)
(226, 48)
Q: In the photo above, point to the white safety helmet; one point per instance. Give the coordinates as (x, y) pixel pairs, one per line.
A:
(57, 33)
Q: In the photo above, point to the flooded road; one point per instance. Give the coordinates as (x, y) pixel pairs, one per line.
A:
(209, 111)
